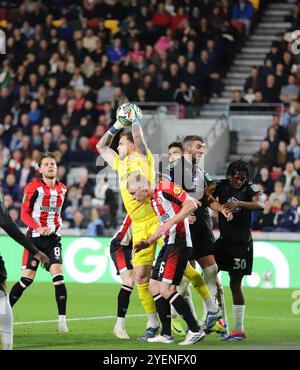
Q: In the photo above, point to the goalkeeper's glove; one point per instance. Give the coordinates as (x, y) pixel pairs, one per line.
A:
(117, 126)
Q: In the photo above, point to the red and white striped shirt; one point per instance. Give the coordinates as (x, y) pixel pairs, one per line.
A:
(124, 234)
(166, 203)
(41, 206)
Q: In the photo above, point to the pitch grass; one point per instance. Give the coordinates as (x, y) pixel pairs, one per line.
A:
(269, 322)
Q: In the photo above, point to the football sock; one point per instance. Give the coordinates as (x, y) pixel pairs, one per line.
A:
(164, 312)
(184, 310)
(60, 293)
(210, 277)
(238, 317)
(18, 289)
(148, 304)
(6, 322)
(197, 281)
(123, 300)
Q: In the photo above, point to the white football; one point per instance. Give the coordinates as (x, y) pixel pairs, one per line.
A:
(127, 112)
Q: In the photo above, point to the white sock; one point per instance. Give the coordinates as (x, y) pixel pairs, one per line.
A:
(121, 322)
(210, 305)
(210, 277)
(238, 317)
(6, 321)
(152, 320)
(62, 318)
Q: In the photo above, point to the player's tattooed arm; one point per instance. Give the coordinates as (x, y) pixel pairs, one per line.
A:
(138, 137)
(103, 147)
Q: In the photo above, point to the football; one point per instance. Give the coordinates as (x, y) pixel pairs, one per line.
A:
(127, 112)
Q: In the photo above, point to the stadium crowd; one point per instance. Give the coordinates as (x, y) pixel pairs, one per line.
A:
(70, 64)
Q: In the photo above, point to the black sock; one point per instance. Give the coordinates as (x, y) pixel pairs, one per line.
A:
(123, 300)
(164, 312)
(60, 293)
(18, 289)
(184, 311)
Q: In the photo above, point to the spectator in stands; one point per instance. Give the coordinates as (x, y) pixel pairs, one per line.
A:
(288, 177)
(272, 139)
(265, 180)
(278, 193)
(104, 196)
(291, 116)
(294, 128)
(296, 186)
(116, 52)
(252, 83)
(84, 155)
(265, 155)
(274, 54)
(270, 91)
(282, 155)
(11, 187)
(25, 174)
(96, 225)
(290, 91)
(265, 219)
(258, 98)
(184, 96)
(78, 221)
(281, 132)
(294, 148)
(254, 165)
(4, 153)
(287, 219)
(243, 12)
(238, 98)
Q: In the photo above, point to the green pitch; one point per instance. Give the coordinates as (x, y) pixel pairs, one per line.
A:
(269, 320)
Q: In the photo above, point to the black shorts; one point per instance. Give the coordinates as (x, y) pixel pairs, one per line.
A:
(171, 263)
(236, 258)
(3, 273)
(121, 255)
(203, 241)
(50, 245)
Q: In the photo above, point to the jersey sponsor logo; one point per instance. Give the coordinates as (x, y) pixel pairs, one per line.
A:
(177, 190)
(237, 209)
(255, 188)
(50, 209)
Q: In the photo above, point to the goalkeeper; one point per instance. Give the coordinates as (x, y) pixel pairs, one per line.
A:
(134, 157)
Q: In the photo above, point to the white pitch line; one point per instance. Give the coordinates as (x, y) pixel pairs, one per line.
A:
(138, 315)
(74, 319)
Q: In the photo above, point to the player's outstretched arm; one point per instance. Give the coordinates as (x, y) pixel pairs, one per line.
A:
(103, 146)
(138, 137)
(14, 232)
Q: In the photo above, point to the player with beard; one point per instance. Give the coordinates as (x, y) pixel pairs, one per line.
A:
(188, 172)
(41, 211)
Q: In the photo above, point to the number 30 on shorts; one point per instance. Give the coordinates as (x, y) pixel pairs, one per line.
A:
(239, 264)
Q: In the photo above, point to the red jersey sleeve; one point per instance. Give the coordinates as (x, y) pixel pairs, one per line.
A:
(29, 196)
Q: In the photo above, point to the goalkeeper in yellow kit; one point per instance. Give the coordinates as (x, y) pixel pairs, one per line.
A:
(134, 157)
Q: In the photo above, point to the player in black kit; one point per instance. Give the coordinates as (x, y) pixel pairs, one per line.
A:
(6, 317)
(234, 248)
(189, 174)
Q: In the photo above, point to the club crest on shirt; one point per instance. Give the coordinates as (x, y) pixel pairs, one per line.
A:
(237, 209)
(177, 190)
